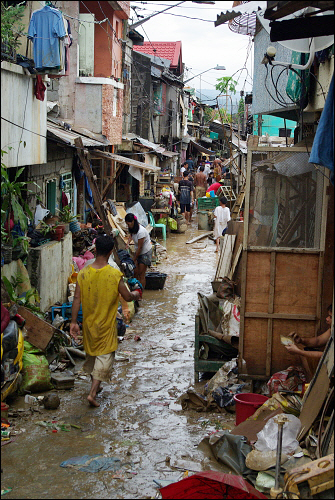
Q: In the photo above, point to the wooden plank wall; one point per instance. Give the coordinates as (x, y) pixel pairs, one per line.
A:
(281, 295)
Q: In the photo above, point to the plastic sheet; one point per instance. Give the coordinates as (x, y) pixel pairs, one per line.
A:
(138, 210)
(267, 437)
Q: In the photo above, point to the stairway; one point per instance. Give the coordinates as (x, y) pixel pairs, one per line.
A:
(238, 204)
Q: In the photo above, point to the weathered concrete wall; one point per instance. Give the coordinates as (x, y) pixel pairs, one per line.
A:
(67, 86)
(59, 162)
(20, 106)
(88, 110)
(49, 267)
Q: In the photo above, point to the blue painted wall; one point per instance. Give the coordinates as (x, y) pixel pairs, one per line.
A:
(272, 124)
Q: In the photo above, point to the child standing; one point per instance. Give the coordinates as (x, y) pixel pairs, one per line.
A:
(221, 217)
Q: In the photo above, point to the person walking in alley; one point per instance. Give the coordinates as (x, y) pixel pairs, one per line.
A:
(311, 353)
(98, 288)
(221, 217)
(143, 248)
(186, 196)
(200, 183)
(190, 163)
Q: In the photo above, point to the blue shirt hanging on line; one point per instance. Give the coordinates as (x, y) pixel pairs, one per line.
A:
(45, 28)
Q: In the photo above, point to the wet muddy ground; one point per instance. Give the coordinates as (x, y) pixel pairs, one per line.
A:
(139, 420)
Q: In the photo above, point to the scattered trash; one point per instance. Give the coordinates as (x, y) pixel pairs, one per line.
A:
(224, 396)
(51, 401)
(62, 380)
(267, 437)
(264, 482)
(5, 490)
(263, 460)
(54, 425)
(137, 338)
(121, 356)
(58, 321)
(94, 463)
(178, 348)
(30, 399)
(35, 371)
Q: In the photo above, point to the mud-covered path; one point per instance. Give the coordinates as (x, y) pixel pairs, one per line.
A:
(138, 420)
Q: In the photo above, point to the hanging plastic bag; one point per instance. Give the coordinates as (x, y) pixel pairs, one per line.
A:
(267, 437)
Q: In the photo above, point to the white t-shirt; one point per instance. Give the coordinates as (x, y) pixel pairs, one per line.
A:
(222, 216)
(207, 169)
(142, 233)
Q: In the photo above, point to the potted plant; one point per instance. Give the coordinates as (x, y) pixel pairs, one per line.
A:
(20, 247)
(66, 217)
(69, 220)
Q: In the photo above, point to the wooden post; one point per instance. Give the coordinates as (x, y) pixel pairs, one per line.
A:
(270, 311)
(84, 158)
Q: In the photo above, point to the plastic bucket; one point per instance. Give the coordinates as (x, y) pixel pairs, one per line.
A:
(246, 405)
(203, 223)
(212, 194)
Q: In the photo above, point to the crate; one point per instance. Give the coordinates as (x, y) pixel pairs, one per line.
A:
(65, 310)
(208, 203)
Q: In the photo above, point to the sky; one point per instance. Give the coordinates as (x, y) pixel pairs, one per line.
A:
(204, 46)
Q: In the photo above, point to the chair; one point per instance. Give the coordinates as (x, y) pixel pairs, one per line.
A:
(154, 225)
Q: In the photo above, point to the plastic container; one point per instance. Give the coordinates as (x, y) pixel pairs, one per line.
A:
(155, 281)
(246, 405)
(66, 311)
(203, 223)
(4, 410)
(212, 194)
(208, 203)
(74, 226)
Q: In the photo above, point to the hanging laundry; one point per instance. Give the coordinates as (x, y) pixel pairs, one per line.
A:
(45, 29)
(39, 88)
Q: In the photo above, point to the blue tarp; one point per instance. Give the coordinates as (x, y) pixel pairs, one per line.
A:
(323, 146)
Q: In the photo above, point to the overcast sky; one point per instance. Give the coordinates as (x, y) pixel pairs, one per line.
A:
(203, 45)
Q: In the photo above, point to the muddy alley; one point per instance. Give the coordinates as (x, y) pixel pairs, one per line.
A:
(139, 421)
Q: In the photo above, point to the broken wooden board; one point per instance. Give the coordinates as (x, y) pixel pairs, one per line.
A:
(226, 253)
(200, 237)
(237, 258)
(39, 332)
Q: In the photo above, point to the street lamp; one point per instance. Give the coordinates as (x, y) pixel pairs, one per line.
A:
(217, 67)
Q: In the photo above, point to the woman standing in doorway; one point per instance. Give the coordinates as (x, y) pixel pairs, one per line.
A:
(143, 249)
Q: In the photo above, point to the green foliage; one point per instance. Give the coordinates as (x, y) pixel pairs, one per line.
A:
(12, 199)
(66, 216)
(44, 228)
(226, 84)
(12, 27)
(25, 301)
(241, 106)
(23, 242)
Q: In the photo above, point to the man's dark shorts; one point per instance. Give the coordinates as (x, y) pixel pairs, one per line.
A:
(185, 208)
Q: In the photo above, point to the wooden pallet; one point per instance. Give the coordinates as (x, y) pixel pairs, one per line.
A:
(227, 192)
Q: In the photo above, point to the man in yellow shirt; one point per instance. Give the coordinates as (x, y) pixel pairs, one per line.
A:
(98, 288)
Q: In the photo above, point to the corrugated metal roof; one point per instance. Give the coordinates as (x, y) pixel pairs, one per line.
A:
(127, 161)
(68, 136)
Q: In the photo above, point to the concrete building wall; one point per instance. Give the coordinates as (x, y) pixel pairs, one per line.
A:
(49, 267)
(88, 106)
(20, 106)
(262, 102)
(112, 103)
(67, 87)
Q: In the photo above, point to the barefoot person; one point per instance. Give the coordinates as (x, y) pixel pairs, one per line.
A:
(143, 247)
(221, 219)
(311, 353)
(98, 288)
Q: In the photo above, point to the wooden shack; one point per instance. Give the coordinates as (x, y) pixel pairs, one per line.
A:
(282, 272)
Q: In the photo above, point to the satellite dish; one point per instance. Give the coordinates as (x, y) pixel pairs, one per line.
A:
(302, 44)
